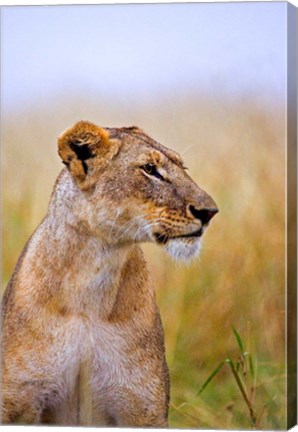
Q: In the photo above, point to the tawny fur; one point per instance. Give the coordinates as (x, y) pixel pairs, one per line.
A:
(82, 339)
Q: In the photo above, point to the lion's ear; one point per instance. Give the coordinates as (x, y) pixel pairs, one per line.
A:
(85, 148)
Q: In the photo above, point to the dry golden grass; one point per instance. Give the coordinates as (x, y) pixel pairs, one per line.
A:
(236, 152)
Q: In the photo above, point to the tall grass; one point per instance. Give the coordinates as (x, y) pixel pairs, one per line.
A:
(236, 152)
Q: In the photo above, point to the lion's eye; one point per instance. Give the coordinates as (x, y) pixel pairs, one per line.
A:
(152, 170)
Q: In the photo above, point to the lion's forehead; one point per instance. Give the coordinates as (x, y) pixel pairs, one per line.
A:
(133, 135)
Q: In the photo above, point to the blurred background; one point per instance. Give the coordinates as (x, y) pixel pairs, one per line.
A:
(209, 81)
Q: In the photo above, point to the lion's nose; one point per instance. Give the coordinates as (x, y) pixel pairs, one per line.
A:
(203, 214)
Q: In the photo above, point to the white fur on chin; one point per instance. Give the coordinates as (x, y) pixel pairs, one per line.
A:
(182, 249)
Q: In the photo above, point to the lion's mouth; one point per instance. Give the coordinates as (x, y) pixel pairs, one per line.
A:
(163, 239)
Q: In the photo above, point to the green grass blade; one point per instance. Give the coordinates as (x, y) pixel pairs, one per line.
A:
(215, 372)
(243, 391)
(251, 366)
(239, 340)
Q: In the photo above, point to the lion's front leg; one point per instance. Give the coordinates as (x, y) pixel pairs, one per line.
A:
(133, 411)
(141, 401)
(122, 407)
(21, 403)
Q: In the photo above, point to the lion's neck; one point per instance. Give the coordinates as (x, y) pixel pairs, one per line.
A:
(75, 269)
(90, 271)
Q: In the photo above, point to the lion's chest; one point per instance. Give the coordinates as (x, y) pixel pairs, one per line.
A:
(89, 363)
(94, 351)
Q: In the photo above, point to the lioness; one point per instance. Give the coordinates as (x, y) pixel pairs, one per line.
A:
(82, 337)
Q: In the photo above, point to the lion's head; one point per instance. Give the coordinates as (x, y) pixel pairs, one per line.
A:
(129, 188)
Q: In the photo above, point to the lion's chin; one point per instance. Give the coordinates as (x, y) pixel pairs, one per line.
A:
(183, 249)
